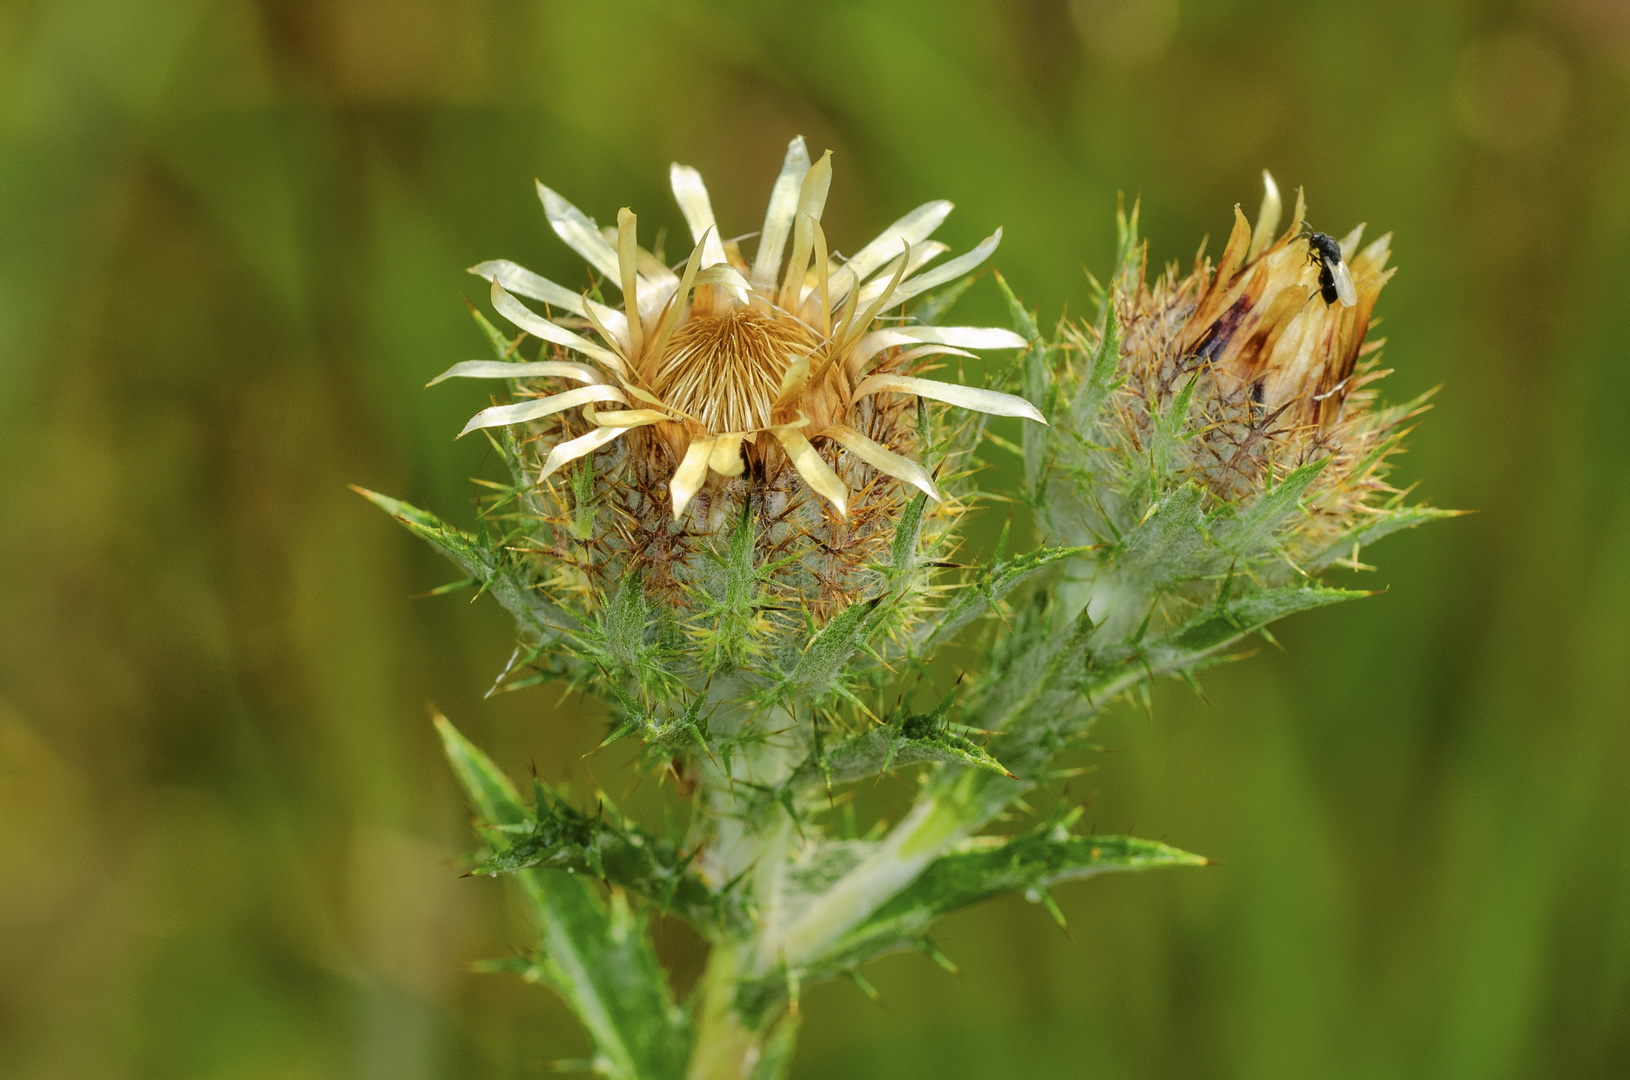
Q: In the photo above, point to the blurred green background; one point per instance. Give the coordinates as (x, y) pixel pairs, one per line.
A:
(231, 246)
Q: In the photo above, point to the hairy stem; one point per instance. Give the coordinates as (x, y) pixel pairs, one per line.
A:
(727, 1046)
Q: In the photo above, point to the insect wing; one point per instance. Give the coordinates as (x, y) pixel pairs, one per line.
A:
(1344, 282)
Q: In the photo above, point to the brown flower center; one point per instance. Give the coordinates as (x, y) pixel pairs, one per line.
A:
(725, 370)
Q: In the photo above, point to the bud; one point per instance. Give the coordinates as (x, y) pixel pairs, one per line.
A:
(1240, 399)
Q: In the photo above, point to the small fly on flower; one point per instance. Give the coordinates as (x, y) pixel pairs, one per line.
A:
(1335, 280)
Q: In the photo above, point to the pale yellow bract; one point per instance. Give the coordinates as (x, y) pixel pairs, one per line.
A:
(725, 355)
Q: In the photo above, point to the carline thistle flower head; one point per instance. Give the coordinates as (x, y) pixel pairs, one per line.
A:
(1229, 383)
(726, 382)
(1284, 363)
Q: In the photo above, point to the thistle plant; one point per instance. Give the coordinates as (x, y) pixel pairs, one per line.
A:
(732, 517)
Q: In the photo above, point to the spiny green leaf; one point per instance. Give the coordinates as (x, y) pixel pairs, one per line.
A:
(490, 563)
(502, 347)
(732, 591)
(932, 732)
(494, 798)
(775, 1056)
(1167, 436)
(584, 504)
(1256, 609)
(603, 964)
(620, 732)
(626, 615)
(987, 867)
(974, 598)
(741, 564)
(1259, 608)
(959, 748)
(558, 836)
(1037, 387)
(1024, 323)
(1405, 517)
(1251, 532)
(1128, 259)
(1099, 378)
(598, 959)
(1158, 549)
(830, 650)
(875, 750)
(907, 535)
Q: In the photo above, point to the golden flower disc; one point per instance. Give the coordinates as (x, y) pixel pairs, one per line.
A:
(718, 359)
(726, 370)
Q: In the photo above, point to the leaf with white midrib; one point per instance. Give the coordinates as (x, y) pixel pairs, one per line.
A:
(598, 959)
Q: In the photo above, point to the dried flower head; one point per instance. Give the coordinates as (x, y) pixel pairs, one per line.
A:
(728, 382)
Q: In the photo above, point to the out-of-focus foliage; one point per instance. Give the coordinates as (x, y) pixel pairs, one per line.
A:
(232, 241)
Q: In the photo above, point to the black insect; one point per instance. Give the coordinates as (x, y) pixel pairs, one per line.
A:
(1335, 282)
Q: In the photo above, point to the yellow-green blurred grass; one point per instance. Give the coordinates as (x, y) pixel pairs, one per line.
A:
(231, 248)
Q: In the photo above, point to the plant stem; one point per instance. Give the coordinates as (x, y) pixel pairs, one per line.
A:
(727, 1048)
